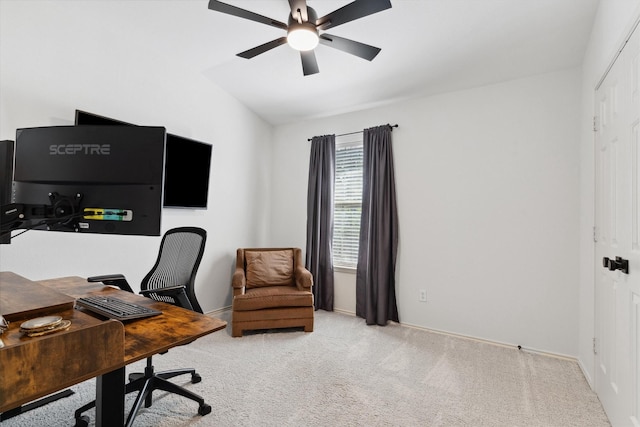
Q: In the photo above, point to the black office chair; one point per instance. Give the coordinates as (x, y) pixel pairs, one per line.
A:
(170, 280)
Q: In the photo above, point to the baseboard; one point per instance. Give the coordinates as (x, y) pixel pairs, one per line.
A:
(349, 313)
(218, 311)
(492, 342)
(586, 374)
(483, 340)
(453, 334)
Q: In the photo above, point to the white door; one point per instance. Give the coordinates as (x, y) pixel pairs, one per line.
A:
(617, 293)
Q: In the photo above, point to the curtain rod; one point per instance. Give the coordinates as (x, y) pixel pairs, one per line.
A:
(360, 131)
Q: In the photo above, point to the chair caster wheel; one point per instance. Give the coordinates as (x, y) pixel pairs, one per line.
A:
(204, 409)
(195, 378)
(83, 421)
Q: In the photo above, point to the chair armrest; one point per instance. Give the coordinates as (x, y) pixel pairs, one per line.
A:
(304, 279)
(239, 280)
(112, 280)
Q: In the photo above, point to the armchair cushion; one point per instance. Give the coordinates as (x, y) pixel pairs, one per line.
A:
(272, 297)
(269, 268)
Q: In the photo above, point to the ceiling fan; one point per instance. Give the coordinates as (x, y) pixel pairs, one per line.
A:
(305, 29)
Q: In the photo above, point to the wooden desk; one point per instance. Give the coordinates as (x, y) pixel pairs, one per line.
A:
(142, 338)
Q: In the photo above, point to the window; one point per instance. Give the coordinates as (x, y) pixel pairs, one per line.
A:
(347, 202)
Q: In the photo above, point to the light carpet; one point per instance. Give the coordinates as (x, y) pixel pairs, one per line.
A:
(346, 373)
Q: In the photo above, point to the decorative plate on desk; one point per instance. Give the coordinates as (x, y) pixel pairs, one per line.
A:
(45, 322)
(44, 325)
(64, 324)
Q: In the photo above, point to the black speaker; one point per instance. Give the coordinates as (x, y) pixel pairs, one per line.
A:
(6, 180)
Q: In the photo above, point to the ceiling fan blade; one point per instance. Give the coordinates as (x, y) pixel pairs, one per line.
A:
(309, 63)
(299, 9)
(362, 50)
(218, 6)
(248, 54)
(355, 10)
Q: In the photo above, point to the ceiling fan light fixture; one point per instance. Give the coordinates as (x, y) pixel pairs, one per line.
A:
(302, 36)
(304, 27)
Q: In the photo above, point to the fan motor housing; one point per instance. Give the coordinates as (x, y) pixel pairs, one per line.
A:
(311, 21)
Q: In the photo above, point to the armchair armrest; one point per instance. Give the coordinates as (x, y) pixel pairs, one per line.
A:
(112, 280)
(304, 279)
(239, 280)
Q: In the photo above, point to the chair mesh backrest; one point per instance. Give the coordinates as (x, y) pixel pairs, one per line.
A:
(178, 261)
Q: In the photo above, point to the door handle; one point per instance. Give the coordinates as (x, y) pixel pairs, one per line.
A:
(616, 264)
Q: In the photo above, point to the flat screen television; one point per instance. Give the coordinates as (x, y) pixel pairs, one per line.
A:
(6, 179)
(187, 165)
(91, 179)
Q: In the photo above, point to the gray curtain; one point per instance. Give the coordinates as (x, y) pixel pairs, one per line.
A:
(375, 279)
(319, 254)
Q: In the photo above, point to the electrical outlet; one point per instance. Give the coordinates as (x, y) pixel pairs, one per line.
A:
(423, 295)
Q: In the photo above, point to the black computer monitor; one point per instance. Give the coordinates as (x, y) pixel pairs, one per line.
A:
(186, 173)
(187, 165)
(6, 179)
(91, 179)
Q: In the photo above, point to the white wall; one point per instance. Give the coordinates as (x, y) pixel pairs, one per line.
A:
(612, 24)
(53, 64)
(488, 179)
(488, 200)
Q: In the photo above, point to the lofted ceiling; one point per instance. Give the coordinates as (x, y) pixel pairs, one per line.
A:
(428, 46)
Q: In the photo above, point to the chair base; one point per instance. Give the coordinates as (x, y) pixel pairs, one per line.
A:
(146, 384)
(271, 319)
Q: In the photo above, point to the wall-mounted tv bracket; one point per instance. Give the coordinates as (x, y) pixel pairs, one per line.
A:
(63, 212)
(616, 264)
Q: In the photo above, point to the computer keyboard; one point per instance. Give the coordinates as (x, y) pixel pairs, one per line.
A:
(115, 308)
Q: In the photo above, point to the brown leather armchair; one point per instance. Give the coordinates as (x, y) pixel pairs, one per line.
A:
(271, 289)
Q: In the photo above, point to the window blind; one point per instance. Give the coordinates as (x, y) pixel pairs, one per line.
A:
(348, 203)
